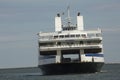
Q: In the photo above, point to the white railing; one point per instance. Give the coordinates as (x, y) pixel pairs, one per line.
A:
(70, 35)
(70, 38)
(69, 46)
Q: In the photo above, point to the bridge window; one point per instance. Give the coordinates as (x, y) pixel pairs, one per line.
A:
(55, 37)
(83, 35)
(66, 36)
(72, 35)
(61, 36)
(78, 35)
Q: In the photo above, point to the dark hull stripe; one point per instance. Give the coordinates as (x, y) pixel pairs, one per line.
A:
(94, 55)
(67, 68)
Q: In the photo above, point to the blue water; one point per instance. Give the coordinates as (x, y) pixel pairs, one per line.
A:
(109, 72)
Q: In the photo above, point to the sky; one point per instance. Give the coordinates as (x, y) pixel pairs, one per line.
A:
(21, 20)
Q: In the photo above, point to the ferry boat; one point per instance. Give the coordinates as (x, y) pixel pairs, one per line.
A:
(70, 48)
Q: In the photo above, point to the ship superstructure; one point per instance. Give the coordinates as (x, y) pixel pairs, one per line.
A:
(70, 49)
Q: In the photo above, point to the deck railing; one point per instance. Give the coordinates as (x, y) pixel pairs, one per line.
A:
(71, 46)
(69, 38)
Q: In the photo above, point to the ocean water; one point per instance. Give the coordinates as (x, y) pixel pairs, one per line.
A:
(109, 72)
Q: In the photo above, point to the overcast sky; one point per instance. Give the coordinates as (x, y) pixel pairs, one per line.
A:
(21, 20)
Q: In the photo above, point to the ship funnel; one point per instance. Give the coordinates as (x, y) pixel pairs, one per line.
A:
(58, 15)
(80, 25)
(78, 13)
(58, 23)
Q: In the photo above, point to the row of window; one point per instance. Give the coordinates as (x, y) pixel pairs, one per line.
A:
(70, 36)
(67, 36)
(70, 43)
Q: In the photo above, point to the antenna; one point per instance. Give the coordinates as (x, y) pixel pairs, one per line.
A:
(68, 18)
(68, 9)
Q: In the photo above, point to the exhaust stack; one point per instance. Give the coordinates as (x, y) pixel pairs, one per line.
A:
(58, 23)
(80, 22)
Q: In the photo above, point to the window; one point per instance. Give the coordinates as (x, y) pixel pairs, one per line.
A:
(72, 35)
(55, 37)
(61, 36)
(66, 36)
(77, 35)
(83, 35)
